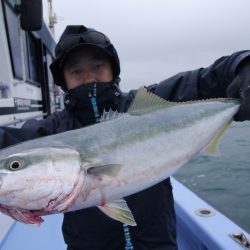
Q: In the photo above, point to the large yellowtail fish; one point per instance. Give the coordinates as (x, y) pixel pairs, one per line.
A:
(100, 164)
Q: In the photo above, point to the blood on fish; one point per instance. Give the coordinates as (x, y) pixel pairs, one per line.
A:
(103, 198)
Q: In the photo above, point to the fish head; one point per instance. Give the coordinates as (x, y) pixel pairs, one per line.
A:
(39, 181)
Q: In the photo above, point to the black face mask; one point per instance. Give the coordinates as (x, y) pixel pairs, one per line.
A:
(88, 101)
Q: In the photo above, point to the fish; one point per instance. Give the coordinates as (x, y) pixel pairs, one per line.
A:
(99, 165)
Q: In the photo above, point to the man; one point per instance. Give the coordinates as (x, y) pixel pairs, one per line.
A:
(87, 68)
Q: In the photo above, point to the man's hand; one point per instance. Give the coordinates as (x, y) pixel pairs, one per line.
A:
(240, 88)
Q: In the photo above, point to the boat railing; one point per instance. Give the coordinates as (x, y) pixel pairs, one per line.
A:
(20, 120)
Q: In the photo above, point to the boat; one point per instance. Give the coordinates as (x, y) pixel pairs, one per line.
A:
(27, 48)
(27, 91)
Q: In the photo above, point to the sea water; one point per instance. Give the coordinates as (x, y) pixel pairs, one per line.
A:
(223, 180)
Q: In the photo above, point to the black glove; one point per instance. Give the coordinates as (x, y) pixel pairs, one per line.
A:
(240, 88)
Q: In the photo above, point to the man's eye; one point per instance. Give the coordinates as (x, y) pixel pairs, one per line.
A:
(76, 72)
(99, 65)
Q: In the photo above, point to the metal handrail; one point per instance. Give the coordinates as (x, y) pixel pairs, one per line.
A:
(16, 121)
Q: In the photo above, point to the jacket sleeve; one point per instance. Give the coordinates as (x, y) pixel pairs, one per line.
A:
(202, 83)
(31, 129)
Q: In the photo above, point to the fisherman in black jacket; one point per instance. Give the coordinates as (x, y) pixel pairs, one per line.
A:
(87, 68)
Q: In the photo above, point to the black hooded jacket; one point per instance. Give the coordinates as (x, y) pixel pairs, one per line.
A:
(152, 208)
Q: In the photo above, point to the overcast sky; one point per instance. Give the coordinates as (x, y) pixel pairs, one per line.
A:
(156, 39)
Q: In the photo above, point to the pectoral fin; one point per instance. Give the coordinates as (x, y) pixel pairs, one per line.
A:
(118, 210)
(107, 169)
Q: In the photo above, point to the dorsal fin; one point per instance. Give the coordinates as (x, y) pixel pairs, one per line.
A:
(146, 102)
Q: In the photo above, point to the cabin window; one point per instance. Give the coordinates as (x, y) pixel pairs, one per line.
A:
(33, 53)
(12, 26)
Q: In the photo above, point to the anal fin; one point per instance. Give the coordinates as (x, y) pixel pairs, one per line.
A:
(118, 210)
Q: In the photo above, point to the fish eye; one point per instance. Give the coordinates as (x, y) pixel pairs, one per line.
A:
(15, 164)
